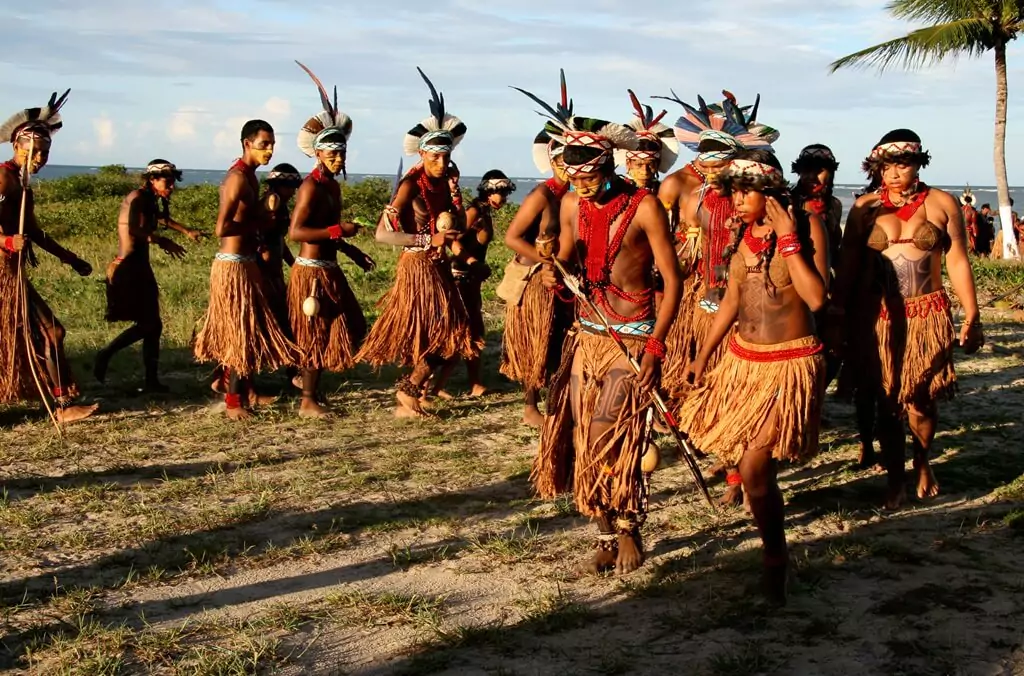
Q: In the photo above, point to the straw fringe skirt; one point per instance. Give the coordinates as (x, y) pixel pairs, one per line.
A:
(603, 471)
(16, 381)
(915, 350)
(329, 340)
(528, 327)
(422, 315)
(240, 330)
(685, 338)
(781, 386)
(132, 291)
(276, 290)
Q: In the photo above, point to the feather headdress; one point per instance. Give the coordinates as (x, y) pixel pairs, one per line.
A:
(967, 197)
(327, 130)
(598, 135)
(440, 132)
(43, 121)
(718, 132)
(649, 127)
(745, 174)
(545, 145)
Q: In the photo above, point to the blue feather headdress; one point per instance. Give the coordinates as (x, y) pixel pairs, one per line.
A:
(717, 132)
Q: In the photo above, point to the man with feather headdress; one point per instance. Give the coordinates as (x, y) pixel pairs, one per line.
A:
(423, 322)
(240, 332)
(656, 151)
(534, 317)
(328, 329)
(31, 334)
(596, 431)
(702, 220)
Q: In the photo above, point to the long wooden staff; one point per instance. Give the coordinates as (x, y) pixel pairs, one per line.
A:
(682, 440)
(23, 288)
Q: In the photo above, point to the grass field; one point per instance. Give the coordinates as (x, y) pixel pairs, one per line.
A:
(161, 538)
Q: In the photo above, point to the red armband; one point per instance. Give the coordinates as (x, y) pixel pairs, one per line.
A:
(733, 478)
(9, 243)
(233, 400)
(334, 231)
(656, 347)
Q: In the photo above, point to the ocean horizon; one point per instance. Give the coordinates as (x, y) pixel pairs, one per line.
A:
(524, 184)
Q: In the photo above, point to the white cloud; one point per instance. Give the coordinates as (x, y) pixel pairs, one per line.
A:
(104, 129)
(182, 125)
(277, 108)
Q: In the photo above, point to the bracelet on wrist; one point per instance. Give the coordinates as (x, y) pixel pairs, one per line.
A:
(9, 243)
(790, 250)
(656, 347)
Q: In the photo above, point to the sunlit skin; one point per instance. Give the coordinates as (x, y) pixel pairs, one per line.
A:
(643, 172)
(588, 186)
(434, 164)
(163, 186)
(750, 205)
(261, 148)
(331, 160)
(558, 169)
(40, 149)
(898, 179)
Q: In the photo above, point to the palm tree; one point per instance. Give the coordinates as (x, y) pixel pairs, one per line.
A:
(955, 28)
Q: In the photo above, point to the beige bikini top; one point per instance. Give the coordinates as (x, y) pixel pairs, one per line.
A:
(927, 237)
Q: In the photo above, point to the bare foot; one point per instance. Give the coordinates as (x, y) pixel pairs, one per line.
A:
(237, 414)
(477, 391)
(867, 458)
(733, 496)
(895, 496)
(631, 553)
(261, 399)
(297, 382)
(72, 414)
(219, 384)
(532, 416)
(444, 394)
(309, 408)
(602, 561)
(411, 405)
(927, 486)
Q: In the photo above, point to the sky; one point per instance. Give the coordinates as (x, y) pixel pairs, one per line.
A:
(177, 78)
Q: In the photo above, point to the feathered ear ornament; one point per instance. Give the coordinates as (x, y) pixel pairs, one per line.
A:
(45, 121)
(441, 132)
(325, 126)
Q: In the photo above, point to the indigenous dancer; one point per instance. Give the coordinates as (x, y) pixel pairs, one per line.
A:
(240, 332)
(326, 319)
(656, 151)
(763, 401)
(422, 321)
(596, 430)
(903, 348)
(702, 220)
(281, 184)
(31, 334)
(532, 341)
(970, 219)
(469, 266)
(132, 291)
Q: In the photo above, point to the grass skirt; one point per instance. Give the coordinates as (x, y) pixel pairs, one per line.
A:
(329, 340)
(745, 393)
(276, 291)
(16, 381)
(528, 327)
(915, 350)
(240, 331)
(685, 338)
(603, 471)
(132, 291)
(422, 315)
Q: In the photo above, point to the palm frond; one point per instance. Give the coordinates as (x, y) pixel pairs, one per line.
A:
(936, 12)
(970, 37)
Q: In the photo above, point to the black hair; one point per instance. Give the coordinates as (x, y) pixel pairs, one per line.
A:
(494, 175)
(284, 168)
(253, 127)
(649, 145)
(810, 162)
(574, 156)
(968, 199)
(986, 205)
(920, 158)
(710, 145)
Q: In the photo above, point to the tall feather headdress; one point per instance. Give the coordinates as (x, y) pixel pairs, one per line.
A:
(322, 131)
(725, 123)
(545, 145)
(648, 126)
(441, 132)
(44, 121)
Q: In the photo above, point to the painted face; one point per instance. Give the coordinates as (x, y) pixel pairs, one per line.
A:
(558, 167)
(435, 164)
(497, 200)
(899, 177)
(642, 171)
(711, 169)
(749, 205)
(590, 185)
(816, 182)
(40, 151)
(261, 148)
(333, 160)
(162, 185)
